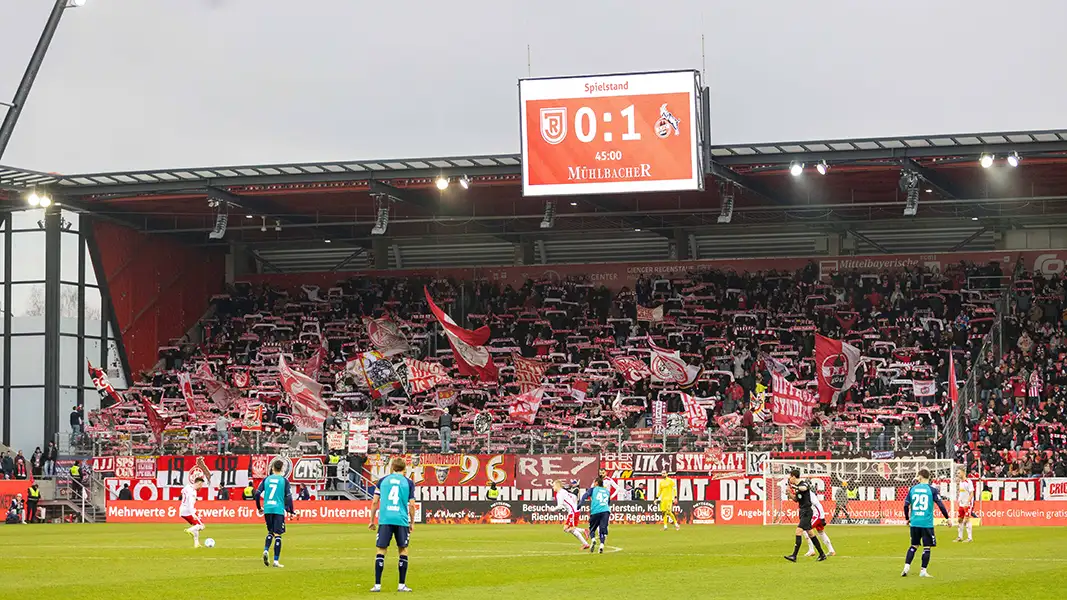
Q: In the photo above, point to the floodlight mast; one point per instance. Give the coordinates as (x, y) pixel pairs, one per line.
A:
(23, 91)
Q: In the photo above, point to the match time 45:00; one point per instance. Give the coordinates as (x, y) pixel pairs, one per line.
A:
(609, 155)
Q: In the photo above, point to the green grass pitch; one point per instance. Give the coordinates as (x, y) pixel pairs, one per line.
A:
(142, 562)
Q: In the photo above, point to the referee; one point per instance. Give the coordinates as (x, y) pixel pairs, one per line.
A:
(801, 491)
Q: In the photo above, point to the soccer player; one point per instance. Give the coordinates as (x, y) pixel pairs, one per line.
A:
(965, 506)
(567, 501)
(667, 491)
(393, 507)
(803, 493)
(599, 512)
(274, 499)
(188, 510)
(919, 512)
(820, 528)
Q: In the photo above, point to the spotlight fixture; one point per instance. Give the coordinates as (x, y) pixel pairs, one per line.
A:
(249, 216)
(1013, 159)
(45, 200)
(796, 168)
(909, 184)
(986, 161)
(550, 215)
(974, 218)
(465, 182)
(573, 203)
(822, 167)
(637, 229)
(277, 225)
(327, 240)
(33, 199)
(442, 183)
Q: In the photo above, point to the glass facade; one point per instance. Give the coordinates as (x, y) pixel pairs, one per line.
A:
(37, 396)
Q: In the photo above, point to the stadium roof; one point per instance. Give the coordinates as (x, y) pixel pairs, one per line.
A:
(289, 210)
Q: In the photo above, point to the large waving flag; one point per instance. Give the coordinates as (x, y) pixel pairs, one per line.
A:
(472, 357)
(696, 413)
(222, 394)
(524, 407)
(423, 376)
(305, 394)
(667, 366)
(528, 372)
(385, 336)
(632, 369)
(156, 422)
(103, 385)
(790, 405)
(953, 388)
(835, 367)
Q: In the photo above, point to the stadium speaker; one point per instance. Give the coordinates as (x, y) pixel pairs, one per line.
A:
(221, 220)
(550, 215)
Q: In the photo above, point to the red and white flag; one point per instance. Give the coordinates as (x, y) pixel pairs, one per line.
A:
(579, 390)
(385, 336)
(424, 376)
(696, 413)
(103, 385)
(253, 419)
(632, 369)
(835, 367)
(651, 315)
(923, 388)
(221, 394)
(953, 387)
(790, 405)
(378, 374)
(667, 366)
(156, 422)
(305, 394)
(616, 405)
(472, 357)
(445, 397)
(241, 378)
(314, 364)
(185, 382)
(528, 372)
(524, 407)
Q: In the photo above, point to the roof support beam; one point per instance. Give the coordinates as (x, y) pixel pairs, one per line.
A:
(747, 183)
(966, 241)
(267, 208)
(933, 179)
(419, 199)
(869, 241)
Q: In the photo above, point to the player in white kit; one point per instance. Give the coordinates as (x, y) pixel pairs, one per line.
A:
(818, 521)
(188, 510)
(964, 506)
(568, 502)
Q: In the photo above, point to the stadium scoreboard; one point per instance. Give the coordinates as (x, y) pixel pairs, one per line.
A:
(600, 134)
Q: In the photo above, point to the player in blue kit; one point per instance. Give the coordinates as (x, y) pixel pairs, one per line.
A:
(599, 512)
(273, 500)
(393, 508)
(919, 511)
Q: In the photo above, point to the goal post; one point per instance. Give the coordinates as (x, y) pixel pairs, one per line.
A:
(854, 491)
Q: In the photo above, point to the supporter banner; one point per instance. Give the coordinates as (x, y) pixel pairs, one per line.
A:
(358, 435)
(1009, 489)
(308, 512)
(537, 471)
(700, 462)
(617, 275)
(457, 470)
(790, 405)
(1054, 488)
(230, 471)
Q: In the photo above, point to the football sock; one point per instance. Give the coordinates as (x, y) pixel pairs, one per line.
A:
(818, 546)
(268, 542)
(796, 546)
(379, 566)
(578, 534)
(826, 538)
(277, 548)
(911, 555)
(403, 569)
(603, 538)
(811, 545)
(960, 529)
(926, 558)
(968, 530)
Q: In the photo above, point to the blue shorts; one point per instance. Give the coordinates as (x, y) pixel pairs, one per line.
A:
(599, 521)
(386, 533)
(924, 536)
(275, 523)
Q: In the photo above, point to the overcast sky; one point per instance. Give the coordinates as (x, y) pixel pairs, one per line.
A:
(134, 84)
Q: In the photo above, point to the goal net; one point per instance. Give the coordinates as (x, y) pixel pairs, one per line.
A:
(854, 492)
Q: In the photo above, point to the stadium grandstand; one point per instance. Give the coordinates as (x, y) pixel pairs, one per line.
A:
(190, 290)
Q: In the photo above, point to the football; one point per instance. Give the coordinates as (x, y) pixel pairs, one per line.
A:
(209, 543)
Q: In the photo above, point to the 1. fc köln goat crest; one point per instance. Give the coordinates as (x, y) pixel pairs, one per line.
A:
(554, 124)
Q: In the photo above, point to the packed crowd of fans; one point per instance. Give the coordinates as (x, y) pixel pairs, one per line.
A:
(738, 326)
